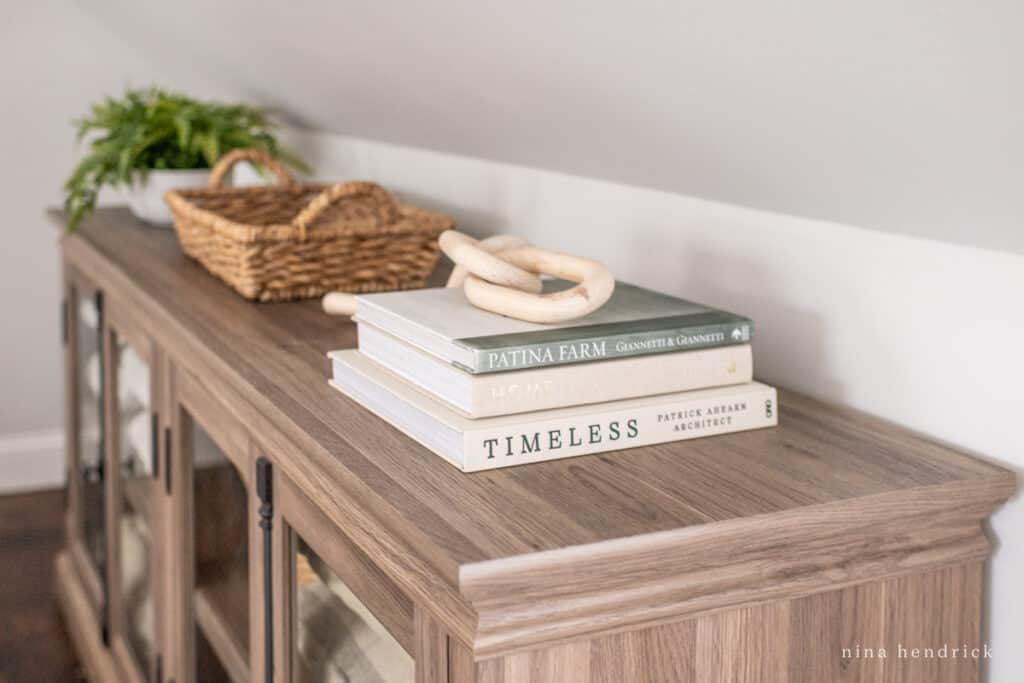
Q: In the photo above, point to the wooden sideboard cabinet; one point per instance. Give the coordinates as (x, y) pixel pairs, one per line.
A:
(230, 517)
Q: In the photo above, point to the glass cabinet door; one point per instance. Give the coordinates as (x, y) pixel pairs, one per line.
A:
(136, 460)
(220, 537)
(87, 312)
(336, 638)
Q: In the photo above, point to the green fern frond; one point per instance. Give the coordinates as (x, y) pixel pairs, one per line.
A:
(150, 129)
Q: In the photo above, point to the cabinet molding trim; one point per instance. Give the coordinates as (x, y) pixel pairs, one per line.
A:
(561, 595)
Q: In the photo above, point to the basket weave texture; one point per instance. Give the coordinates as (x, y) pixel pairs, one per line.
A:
(294, 241)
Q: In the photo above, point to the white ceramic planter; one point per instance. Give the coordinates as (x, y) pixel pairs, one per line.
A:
(146, 197)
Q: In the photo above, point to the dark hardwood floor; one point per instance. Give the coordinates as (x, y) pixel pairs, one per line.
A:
(34, 644)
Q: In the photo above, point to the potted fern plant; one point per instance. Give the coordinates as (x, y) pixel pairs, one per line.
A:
(151, 140)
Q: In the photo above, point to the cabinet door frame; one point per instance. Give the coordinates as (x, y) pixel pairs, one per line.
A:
(191, 401)
(95, 585)
(294, 516)
(121, 326)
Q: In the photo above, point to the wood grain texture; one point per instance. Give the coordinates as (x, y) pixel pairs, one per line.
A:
(167, 550)
(555, 595)
(749, 645)
(431, 649)
(567, 663)
(221, 610)
(461, 662)
(216, 419)
(667, 652)
(455, 542)
(128, 327)
(182, 536)
(122, 328)
(78, 614)
(209, 592)
(282, 586)
(837, 636)
(367, 582)
(181, 651)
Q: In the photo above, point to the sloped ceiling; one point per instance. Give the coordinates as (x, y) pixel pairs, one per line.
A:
(904, 117)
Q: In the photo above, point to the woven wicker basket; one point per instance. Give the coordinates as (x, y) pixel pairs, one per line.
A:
(292, 241)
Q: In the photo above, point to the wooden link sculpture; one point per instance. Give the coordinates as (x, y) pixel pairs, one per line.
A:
(501, 274)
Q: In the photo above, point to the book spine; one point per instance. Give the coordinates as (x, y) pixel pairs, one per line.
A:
(606, 347)
(614, 429)
(507, 393)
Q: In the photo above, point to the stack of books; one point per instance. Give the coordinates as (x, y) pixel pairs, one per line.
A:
(485, 391)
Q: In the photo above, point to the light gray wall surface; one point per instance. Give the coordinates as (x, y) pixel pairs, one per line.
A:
(56, 60)
(905, 117)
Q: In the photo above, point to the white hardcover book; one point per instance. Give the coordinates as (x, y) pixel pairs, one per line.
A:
(489, 443)
(544, 388)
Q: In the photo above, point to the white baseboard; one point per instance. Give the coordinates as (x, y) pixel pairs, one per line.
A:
(31, 461)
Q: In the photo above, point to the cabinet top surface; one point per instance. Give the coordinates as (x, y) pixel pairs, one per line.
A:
(819, 454)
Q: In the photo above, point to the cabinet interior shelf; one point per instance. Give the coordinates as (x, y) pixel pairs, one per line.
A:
(222, 612)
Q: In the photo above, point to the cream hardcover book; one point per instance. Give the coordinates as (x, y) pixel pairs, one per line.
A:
(489, 443)
(543, 388)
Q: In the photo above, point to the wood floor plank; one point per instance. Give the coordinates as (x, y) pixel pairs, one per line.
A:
(34, 643)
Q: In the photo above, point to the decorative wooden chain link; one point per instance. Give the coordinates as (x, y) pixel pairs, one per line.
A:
(501, 274)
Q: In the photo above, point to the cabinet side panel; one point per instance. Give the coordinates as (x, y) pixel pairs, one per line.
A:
(664, 653)
(889, 631)
(566, 663)
(461, 665)
(901, 629)
(861, 618)
(931, 619)
(431, 649)
(814, 627)
(749, 645)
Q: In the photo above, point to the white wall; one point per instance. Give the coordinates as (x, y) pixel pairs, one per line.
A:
(55, 61)
(900, 116)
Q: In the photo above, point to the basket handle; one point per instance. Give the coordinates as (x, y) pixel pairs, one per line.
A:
(387, 210)
(256, 156)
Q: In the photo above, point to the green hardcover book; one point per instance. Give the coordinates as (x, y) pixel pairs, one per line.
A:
(634, 322)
